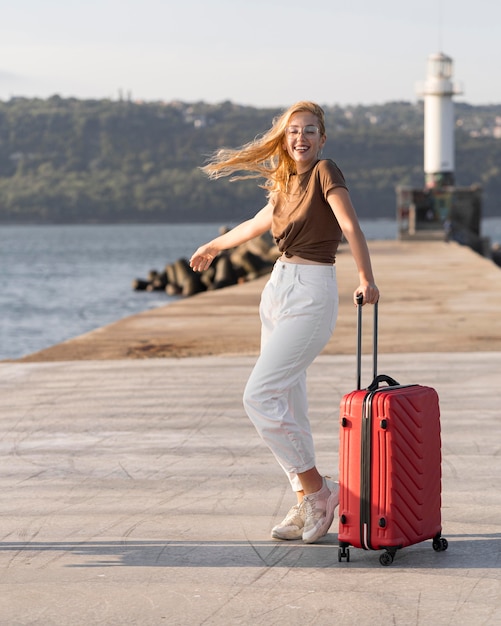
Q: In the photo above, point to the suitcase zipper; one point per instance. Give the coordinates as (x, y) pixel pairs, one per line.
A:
(365, 473)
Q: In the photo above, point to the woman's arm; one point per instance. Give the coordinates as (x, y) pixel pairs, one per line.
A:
(340, 202)
(257, 225)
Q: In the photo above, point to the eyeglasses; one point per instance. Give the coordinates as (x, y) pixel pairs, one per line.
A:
(308, 131)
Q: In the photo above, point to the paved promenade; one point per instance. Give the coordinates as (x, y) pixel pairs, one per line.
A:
(135, 491)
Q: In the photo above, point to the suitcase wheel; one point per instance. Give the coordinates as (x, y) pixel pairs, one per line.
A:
(386, 558)
(440, 544)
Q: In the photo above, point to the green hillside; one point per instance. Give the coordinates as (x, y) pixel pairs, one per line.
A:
(81, 161)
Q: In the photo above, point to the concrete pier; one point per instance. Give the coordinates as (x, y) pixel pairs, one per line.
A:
(436, 297)
(134, 490)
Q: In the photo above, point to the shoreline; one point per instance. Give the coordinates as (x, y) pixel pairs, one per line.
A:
(436, 297)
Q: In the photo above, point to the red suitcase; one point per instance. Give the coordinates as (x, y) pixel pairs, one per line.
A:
(389, 464)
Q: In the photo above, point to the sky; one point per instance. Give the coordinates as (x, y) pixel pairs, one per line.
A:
(262, 53)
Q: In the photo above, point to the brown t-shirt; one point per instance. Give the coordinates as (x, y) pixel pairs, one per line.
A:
(303, 222)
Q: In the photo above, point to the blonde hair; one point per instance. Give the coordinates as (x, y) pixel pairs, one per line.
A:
(265, 157)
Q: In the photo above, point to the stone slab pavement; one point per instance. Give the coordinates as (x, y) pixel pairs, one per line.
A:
(137, 492)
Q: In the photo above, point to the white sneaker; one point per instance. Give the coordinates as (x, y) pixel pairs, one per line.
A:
(319, 511)
(291, 527)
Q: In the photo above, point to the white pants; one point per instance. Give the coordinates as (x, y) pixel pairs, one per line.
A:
(298, 310)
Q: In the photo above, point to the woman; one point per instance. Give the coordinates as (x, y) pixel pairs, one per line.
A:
(308, 211)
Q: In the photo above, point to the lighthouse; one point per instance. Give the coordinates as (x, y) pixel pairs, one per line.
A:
(440, 209)
(439, 122)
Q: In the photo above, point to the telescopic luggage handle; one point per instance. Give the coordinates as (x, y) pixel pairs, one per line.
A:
(360, 300)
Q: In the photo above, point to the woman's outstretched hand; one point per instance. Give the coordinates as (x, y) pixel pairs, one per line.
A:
(203, 257)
